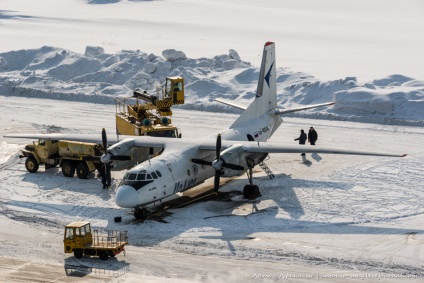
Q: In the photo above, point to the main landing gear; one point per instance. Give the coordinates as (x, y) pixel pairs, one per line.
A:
(251, 191)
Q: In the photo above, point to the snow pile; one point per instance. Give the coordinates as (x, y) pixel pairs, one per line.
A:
(58, 73)
(100, 77)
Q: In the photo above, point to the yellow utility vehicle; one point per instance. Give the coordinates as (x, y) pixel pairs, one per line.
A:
(72, 156)
(81, 240)
(152, 115)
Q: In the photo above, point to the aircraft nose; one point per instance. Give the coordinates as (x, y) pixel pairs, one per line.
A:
(126, 197)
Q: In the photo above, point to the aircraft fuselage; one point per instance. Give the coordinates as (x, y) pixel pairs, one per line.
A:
(150, 182)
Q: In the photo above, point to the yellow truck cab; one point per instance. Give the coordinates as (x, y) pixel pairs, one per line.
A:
(80, 239)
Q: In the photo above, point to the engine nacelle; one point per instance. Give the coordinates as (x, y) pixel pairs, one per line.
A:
(120, 148)
(233, 155)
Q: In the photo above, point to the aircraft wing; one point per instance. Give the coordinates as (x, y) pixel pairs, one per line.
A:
(285, 111)
(143, 141)
(268, 147)
(58, 136)
(273, 148)
(159, 142)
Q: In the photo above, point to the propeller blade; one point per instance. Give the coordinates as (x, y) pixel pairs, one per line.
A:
(216, 181)
(91, 158)
(120, 157)
(201, 161)
(104, 139)
(107, 165)
(108, 177)
(218, 147)
(233, 166)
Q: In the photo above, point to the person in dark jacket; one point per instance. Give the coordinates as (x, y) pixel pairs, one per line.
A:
(302, 139)
(312, 136)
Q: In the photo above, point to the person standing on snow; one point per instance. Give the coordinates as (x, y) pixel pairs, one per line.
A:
(312, 136)
(302, 139)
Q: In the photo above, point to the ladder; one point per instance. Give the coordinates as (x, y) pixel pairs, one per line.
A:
(266, 170)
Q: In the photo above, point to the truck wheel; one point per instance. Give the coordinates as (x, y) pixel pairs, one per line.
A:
(31, 164)
(68, 168)
(103, 255)
(78, 253)
(82, 170)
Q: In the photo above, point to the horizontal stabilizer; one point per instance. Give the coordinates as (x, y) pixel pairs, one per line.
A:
(285, 111)
(230, 104)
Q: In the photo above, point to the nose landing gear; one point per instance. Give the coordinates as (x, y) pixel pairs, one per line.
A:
(140, 213)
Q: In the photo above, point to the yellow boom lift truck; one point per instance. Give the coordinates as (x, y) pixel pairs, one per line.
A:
(81, 240)
(149, 116)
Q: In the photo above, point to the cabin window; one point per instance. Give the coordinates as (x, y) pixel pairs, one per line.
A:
(149, 177)
(87, 229)
(159, 174)
(154, 175)
(132, 176)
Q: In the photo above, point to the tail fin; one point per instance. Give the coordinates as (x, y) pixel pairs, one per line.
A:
(265, 99)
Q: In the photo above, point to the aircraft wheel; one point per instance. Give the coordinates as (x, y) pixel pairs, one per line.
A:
(103, 255)
(82, 170)
(68, 168)
(256, 191)
(31, 164)
(78, 253)
(251, 192)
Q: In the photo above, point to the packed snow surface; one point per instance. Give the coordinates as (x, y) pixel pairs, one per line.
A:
(328, 217)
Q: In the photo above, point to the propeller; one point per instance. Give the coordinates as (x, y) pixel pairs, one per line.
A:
(218, 163)
(107, 158)
(107, 165)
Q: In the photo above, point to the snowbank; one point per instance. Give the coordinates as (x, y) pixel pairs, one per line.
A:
(100, 77)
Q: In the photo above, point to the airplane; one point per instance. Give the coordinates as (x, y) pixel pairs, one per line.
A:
(185, 163)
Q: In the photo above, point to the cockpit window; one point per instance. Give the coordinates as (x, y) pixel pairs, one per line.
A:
(154, 175)
(132, 176)
(138, 181)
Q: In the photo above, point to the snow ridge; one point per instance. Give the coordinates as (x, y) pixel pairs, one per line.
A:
(98, 77)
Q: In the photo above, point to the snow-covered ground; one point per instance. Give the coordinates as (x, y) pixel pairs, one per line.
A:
(326, 215)
(335, 218)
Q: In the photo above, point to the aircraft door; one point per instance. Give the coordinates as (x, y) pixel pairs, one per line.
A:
(171, 170)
